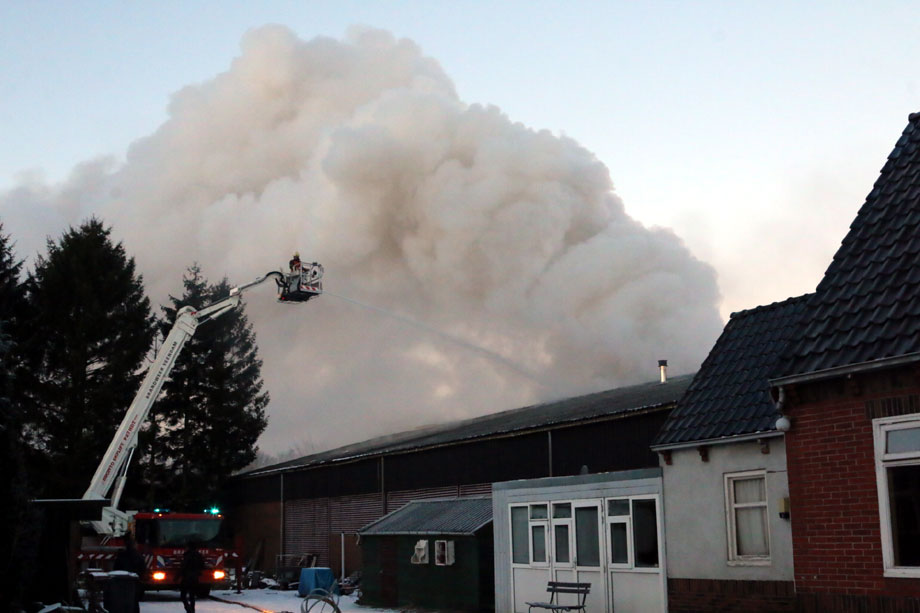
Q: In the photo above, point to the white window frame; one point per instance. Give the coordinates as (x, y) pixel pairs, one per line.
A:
(547, 537)
(511, 536)
(531, 523)
(598, 505)
(569, 522)
(734, 558)
(619, 519)
(630, 565)
(880, 428)
(444, 553)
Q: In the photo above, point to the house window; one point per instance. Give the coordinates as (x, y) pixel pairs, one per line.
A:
(520, 546)
(897, 464)
(632, 532)
(538, 527)
(746, 517)
(587, 536)
(529, 534)
(645, 533)
(443, 553)
(562, 531)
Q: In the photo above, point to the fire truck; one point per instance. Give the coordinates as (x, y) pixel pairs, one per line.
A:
(162, 536)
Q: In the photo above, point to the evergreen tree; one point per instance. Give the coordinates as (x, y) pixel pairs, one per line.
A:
(17, 542)
(90, 328)
(212, 409)
(12, 290)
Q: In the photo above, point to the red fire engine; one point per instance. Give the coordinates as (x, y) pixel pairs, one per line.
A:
(162, 537)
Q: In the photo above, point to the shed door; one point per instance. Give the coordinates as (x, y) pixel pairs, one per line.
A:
(389, 591)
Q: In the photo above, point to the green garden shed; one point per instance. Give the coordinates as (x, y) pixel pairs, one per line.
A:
(431, 554)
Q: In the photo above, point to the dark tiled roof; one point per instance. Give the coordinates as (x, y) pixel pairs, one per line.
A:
(619, 401)
(730, 395)
(458, 516)
(866, 307)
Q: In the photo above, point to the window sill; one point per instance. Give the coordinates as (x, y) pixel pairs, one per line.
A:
(752, 562)
(535, 565)
(640, 569)
(903, 572)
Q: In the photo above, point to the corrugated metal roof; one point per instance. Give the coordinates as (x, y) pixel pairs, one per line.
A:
(865, 307)
(730, 395)
(454, 516)
(619, 401)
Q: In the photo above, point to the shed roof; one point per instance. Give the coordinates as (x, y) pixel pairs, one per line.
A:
(616, 402)
(865, 308)
(730, 395)
(446, 516)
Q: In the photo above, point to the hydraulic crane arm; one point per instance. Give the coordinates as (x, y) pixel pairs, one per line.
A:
(114, 464)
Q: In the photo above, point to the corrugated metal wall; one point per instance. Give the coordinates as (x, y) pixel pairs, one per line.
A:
(351, 513)
(477, 489)
(306, 528)
(397, 500)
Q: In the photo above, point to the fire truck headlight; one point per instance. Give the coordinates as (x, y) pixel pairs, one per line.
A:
(219, 574)
(159, 575)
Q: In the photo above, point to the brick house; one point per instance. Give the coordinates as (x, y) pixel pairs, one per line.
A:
(729, 543)
(850, 384)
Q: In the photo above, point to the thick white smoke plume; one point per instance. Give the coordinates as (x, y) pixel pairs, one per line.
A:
(513, 270)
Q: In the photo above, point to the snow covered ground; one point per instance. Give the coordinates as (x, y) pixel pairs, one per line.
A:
(266, 600)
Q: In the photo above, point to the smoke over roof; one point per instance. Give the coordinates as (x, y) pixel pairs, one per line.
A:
(473, 264)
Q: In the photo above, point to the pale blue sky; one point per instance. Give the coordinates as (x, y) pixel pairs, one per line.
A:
(754, 129)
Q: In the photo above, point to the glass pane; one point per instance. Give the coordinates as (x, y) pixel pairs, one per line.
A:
(902, 441)
(587, 541)
(645, 534)
(562, 511)
(751, 531)
(538, 511)
(520, 548)
(561, 543)
(618, 552)
(539, 543)
(749, 490)
(904, 498)
(617, 507)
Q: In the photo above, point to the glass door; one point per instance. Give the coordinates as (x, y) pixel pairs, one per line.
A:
(589, 551)
(562, 528)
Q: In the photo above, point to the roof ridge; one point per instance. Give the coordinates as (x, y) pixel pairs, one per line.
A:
(860, 312)
(625, 399)
(773, 305)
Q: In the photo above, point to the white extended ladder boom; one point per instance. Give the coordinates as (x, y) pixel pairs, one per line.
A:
(114, 465)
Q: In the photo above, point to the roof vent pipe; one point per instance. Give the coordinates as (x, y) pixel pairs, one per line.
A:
(663, 369)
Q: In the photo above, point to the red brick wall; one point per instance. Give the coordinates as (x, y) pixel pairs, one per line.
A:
(696, 595)
(836, 537)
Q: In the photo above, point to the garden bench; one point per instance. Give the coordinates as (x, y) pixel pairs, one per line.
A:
(562, 587)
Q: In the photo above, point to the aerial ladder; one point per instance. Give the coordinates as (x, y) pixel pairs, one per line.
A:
(302, 283)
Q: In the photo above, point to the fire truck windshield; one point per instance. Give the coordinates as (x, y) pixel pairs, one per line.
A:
(180, 532)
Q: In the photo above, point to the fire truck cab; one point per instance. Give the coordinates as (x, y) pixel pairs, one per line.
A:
(162, 538)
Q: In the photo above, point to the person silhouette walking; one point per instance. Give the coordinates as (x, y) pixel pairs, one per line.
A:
(190, 572)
